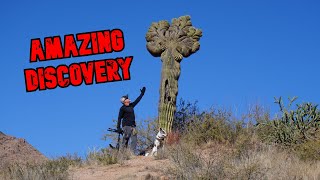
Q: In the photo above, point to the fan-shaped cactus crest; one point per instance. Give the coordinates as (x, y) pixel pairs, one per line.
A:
(171, 43)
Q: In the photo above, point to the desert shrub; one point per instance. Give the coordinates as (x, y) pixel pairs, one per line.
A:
(214, 125)
(50, 170)
(188, 164)
(173, 138)
(261, 161)
(245, 143)
(248, 157)
(217, 162)
(123, 155)
(107, 156)
(294, 126)
(69, 160)
(147, 131)
(185, 113)
(309, 150)
(53, 169)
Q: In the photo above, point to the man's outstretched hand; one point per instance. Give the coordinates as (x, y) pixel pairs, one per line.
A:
(143, 90)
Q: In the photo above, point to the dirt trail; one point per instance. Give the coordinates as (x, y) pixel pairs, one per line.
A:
(138, 167)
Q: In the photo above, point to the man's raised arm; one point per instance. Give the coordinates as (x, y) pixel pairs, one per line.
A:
(135, 102)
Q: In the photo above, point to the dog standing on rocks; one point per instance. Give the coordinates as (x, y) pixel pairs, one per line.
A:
(158, 142)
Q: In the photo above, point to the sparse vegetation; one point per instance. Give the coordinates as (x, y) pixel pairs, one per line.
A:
(294, 126)
(107, 156)
(57, 168)
(51, 170)
(214, 144)
(147, 129)
(309, 151)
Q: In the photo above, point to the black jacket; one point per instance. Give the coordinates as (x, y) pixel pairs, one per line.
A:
(126, 113)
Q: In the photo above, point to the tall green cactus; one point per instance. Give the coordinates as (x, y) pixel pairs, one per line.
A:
(171, 43)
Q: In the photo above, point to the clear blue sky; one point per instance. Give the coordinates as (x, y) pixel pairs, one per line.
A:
(251, 51)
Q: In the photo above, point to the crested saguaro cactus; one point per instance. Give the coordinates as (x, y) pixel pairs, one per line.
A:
(171, 43)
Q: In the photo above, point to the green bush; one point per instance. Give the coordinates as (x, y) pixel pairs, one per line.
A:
(213, 125)
(294, 126)
(185, 113)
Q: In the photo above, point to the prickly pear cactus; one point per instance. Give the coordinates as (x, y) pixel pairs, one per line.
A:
(171, 43)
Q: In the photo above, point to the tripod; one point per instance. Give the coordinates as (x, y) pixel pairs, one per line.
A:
(120, 132)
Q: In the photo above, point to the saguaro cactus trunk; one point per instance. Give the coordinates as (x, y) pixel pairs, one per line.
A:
(171, 43)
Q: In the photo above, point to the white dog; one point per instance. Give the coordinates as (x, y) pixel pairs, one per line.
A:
(158, 142)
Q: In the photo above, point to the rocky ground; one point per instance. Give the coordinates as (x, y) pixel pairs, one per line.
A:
(138, 167)
(17, 150)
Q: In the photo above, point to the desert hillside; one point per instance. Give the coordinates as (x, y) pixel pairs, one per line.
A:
(17, 150)
(210, 144)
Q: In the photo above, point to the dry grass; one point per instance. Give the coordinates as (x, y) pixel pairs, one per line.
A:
(57, 169)
(51, 170)
(107, 156)
(219, 161)
(211, 145)
(215, 145)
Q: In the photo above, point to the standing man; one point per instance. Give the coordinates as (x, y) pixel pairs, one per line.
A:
(126, 114)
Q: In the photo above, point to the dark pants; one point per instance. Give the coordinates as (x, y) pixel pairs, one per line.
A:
(129, 133)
